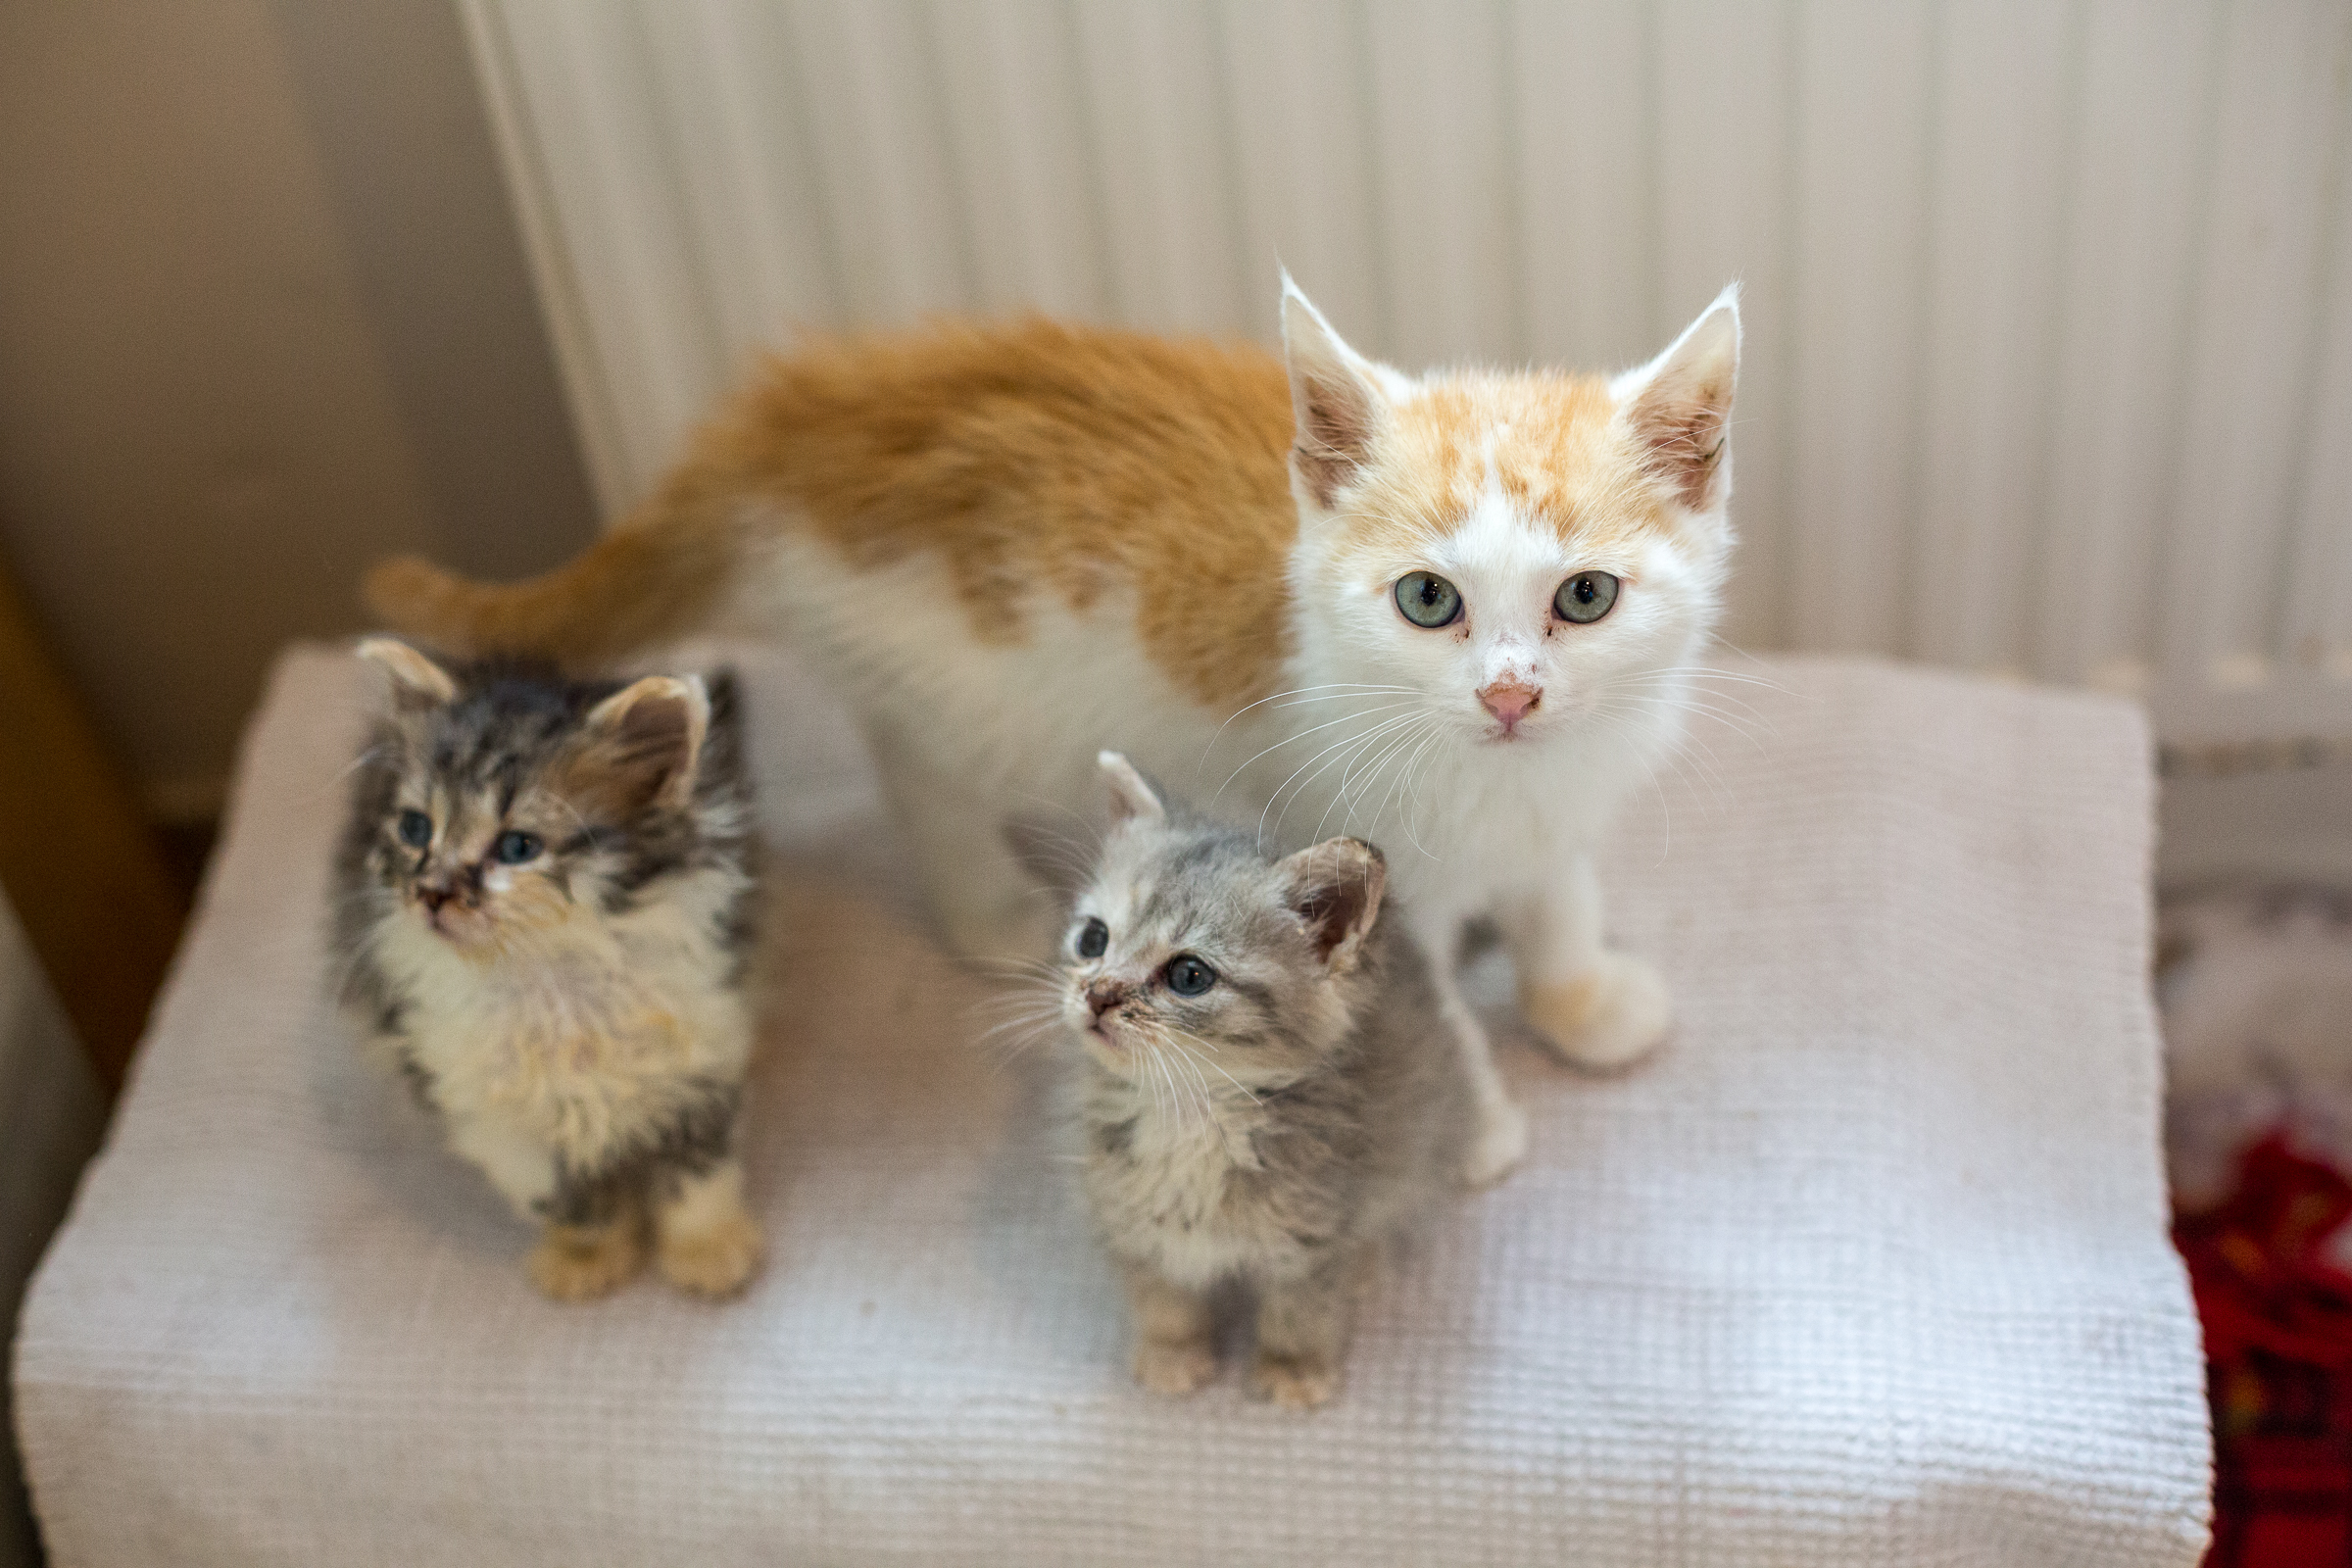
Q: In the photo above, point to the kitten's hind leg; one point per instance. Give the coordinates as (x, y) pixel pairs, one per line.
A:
(988, 905)
(1175, 1336)
(581, 1262)
(1303, 1326)
(1592, 1007)
(705, 1240)
(1499, 1133)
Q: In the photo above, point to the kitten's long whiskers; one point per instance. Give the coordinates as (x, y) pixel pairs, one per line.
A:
(1349, 792)
(1178, 1108)
(1348, 752)
(1172, 1109)
(1675, 695)
(1287, 740)
(1086, 825)
(1349, 763)
(1203, 1097)
(1191, 1092)
(1665, 808)
(1349, 787)
(1704, 705)
(1354, 794)
(1397, 786)
(1678, 752)
(1752, 677)
(1228, 1077)
(1407, 789)
(1300, 696)
(1687, 743)
(1341, 747)
(1038, 996)
(1010, 966)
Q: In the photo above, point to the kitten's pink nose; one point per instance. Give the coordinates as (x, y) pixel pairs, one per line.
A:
(1510, 701)
(1104, 995)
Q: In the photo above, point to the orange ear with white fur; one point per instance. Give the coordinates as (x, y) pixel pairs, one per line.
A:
(1336, 404)
(1679, 406)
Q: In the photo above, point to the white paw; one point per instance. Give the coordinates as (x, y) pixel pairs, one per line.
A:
(1498, 1147)
(717, 1262)
(1175, 1366)
(581, 1262)
(1296, 1383)
(1612, 1014)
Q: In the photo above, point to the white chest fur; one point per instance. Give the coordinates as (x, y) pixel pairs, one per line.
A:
(1177, 1195)
(578, 1035)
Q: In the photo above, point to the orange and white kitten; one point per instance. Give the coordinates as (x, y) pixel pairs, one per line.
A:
(1453, 611)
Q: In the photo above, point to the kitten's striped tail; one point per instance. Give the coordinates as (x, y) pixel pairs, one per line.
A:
(658, 576)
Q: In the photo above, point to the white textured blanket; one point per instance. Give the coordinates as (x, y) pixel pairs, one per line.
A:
(1868, 1267)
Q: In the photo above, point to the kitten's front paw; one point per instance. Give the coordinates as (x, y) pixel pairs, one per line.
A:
(1296, 1383)
(581, 1262)
(1175, 1366)
(1498, 1147)
(1612, 1014)
(717, 1261)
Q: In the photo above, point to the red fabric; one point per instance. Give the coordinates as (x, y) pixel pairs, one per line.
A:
(2278, 1318)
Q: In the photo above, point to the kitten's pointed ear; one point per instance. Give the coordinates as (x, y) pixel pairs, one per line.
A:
(1679, 406)
(1131, 796)
(1337, 403)
(646, 740)
(1335, 888)
(413, 682)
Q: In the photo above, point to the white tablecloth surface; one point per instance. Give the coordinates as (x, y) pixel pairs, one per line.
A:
(1868, 1268)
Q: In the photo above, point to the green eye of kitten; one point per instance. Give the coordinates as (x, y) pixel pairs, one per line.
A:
(416, 829)
(1093, 937)
(1188, 976)
(1428, 600)
(513, 847)
(1585, 596)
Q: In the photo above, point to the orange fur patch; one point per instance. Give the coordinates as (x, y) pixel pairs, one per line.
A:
(1040, 457)
(1554, 451)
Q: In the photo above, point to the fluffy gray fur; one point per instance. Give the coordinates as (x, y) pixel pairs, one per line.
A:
(1273, 1130)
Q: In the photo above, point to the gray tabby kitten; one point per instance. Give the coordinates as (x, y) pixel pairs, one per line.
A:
(544, 909)
(1270, 1091)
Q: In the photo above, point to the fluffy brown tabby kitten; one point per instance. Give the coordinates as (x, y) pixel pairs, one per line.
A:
(1268, 1088)
(545, 912)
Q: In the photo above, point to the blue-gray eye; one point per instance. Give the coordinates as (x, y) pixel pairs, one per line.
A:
(1093, 937)
(513, 847)
(1188, 976)
(1585, 596)
(416, 829)
(1428, 600)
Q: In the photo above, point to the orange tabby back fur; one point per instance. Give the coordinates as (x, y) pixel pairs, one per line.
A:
(1032, 456)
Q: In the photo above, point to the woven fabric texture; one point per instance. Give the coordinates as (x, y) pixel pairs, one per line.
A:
(1867, 1267)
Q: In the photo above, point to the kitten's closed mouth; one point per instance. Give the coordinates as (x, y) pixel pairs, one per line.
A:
(455, 929)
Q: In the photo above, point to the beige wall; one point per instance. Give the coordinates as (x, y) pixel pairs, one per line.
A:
(264, 318)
